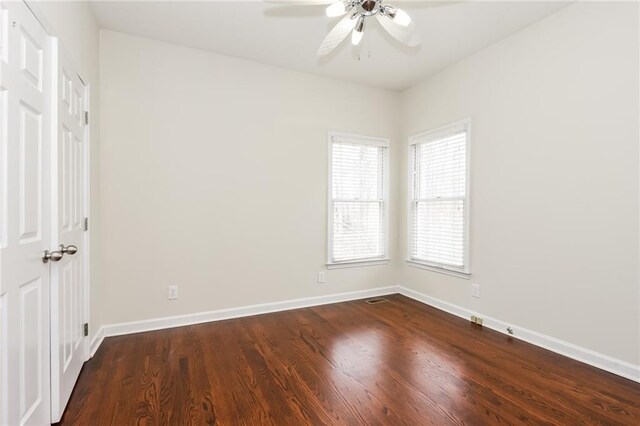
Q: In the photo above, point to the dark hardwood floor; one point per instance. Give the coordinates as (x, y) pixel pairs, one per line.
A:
(352, 363)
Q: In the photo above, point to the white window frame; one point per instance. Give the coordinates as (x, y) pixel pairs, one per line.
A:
(430, 135)
(334, 137)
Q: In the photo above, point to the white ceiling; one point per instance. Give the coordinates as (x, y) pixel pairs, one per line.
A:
(288, 36)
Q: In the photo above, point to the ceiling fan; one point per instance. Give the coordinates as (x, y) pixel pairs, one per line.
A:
(395, 21)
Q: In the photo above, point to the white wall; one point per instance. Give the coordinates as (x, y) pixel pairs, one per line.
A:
(554, 191)
(73, 23)
(214, 178)
(213, 174)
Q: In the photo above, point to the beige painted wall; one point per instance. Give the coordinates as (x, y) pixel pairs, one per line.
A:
(213, 174)
(554, 191)
(73, 23)
(214, 178)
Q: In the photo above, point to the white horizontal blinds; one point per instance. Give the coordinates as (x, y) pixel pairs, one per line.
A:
(439, 200)
(357, 231)
(357, 201)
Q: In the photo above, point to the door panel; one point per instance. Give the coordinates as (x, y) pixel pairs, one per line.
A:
(30, 146)
(31, 362)
(31, 56)
(25, 120)
(78, 178)
(65, 176)
(67, 309)
(68, 352)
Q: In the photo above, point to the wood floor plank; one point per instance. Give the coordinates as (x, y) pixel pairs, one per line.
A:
(549, 404)
(438, 382)
(394, 363)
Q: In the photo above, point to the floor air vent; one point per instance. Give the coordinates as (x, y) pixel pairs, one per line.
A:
(376, 300)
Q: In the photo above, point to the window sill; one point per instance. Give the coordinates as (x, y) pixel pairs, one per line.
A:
(357, 263)
(432, 268)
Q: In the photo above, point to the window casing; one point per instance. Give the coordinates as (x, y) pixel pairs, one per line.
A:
(439, 199)
(358, 200)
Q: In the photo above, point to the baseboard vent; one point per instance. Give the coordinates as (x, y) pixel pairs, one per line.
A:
(476, 320)
(376, 300)
(587, 356)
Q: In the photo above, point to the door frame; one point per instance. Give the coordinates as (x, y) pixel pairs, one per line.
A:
(86, 291)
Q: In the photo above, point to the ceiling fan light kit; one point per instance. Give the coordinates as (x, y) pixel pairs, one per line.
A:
(398, 16)
(358, 31)
(395, 21)
(336, 9)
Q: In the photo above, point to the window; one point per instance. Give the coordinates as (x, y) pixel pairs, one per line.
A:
(358, 200)
(438, 198)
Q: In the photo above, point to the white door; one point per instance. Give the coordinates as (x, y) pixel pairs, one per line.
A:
(25, 114)
(68, 351)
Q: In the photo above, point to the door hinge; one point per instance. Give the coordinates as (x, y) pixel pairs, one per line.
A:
(86, 224)
(86, 329)
(86, 118)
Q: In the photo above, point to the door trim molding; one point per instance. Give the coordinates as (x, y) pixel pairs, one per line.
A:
(46, 24)
(96, 341)
(86, 267)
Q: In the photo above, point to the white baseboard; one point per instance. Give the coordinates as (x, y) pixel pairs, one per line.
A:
(96, 341)
(587, 356)
(223, 314)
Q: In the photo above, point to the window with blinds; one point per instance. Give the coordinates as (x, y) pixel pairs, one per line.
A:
(439, 208)
(358, 174)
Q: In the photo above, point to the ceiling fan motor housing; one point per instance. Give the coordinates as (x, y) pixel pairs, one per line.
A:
(368, 7)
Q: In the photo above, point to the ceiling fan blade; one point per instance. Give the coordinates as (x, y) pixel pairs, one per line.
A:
(337, 34)
(407, 35)
(300, 2)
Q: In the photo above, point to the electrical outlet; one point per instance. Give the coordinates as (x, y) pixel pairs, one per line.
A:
(475, 290)
(173, 292)
(321, 277)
